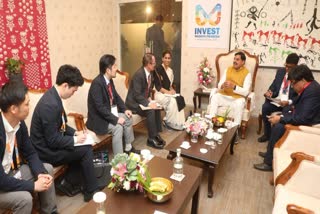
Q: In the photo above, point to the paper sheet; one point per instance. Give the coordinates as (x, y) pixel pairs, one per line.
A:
(89, 141)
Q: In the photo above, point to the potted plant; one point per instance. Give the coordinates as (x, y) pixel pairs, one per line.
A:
(14, 68)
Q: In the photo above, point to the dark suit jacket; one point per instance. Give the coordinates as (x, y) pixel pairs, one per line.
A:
(137, 90)
(306, 107)
(156, 35)
(46, 134)
(99, 107)
(276, 84)
(161, 79)
(27, 153)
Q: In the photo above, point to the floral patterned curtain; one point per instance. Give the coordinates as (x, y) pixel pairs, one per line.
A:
(23, 35)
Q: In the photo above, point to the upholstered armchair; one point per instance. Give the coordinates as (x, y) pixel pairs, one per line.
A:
(296, 139)
(223, 61)
(297, 187)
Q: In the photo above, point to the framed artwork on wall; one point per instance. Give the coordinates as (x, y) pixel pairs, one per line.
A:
(272, 29)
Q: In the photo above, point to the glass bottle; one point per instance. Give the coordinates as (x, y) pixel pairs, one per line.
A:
(178, 165)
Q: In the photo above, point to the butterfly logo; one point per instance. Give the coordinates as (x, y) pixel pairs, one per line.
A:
(214, 17)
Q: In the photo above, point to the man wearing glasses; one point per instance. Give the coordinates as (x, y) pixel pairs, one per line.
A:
(279, 95)
(305, 111)
(139, 95)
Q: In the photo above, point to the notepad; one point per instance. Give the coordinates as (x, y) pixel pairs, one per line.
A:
(89, 141)
(148, 108)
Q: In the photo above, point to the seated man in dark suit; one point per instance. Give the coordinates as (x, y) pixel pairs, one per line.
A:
(139, 93)
(106, 110)
(21, 171)
(279, 89)
(305, 111)
(54, 139)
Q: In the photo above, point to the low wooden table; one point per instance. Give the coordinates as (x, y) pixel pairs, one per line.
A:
(210, 159)
(199, 93)
(135, 202)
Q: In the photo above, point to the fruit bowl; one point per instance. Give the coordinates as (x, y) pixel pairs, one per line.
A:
(161, 190)
(218, 121)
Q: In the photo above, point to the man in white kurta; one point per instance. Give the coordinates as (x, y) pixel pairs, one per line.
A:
(233, 87)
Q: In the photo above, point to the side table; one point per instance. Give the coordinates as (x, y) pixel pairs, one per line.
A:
(199, 93)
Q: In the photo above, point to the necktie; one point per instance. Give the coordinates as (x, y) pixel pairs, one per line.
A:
(286, 83)
(149, 83)
(110, 93)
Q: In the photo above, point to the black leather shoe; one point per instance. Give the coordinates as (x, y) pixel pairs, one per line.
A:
(262, 139)
(262, 167)
(262, 154)
(155, 143)
(68, 189)
(133, 150)
(159, 139)
(87, 196)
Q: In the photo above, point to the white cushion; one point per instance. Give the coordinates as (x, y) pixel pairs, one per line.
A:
(34, 99)
(306, 179)
(136, 119)
(283, 197)
(77, 103)
(297, 141)
(119, 83)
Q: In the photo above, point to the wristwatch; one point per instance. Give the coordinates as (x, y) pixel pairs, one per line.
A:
(235, 86)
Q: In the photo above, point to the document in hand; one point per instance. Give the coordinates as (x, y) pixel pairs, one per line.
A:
(171, 95)
(276, 102)
(148, 108)
(89, 141)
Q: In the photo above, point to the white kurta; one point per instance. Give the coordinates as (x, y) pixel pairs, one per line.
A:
(236, 104)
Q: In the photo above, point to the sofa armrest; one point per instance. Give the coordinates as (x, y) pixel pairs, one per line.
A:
(297, 158)
(285, 135)
(310, 129)
(79, 121)
(250, 101)
(295, 209)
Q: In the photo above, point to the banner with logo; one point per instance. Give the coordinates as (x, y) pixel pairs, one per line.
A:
(209, 23)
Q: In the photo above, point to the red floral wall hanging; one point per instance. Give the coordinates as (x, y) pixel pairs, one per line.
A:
(23, 35)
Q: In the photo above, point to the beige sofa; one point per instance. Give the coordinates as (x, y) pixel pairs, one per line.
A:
(296, 159)
(296, 139)
(76, 108)
(297, 187)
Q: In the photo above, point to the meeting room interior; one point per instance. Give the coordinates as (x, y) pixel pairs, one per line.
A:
(160, 106)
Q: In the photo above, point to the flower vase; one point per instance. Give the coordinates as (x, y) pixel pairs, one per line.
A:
(194, 137)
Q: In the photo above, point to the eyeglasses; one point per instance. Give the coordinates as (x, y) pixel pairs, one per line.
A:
(293, 82)
(289, 66)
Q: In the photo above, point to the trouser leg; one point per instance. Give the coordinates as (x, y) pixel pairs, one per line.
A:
(81, 160)
(276, 133)
(117, 134)
(47, 198)
(151, 122)
(128, 130)
(237, 108)
(19, 202)
(267, 109)
(87, 169)
(214, 101)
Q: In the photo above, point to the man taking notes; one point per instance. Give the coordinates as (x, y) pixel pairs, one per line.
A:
(54, 139)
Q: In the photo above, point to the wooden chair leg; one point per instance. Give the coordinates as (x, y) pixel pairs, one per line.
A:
(259, 124)
(244, 125)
